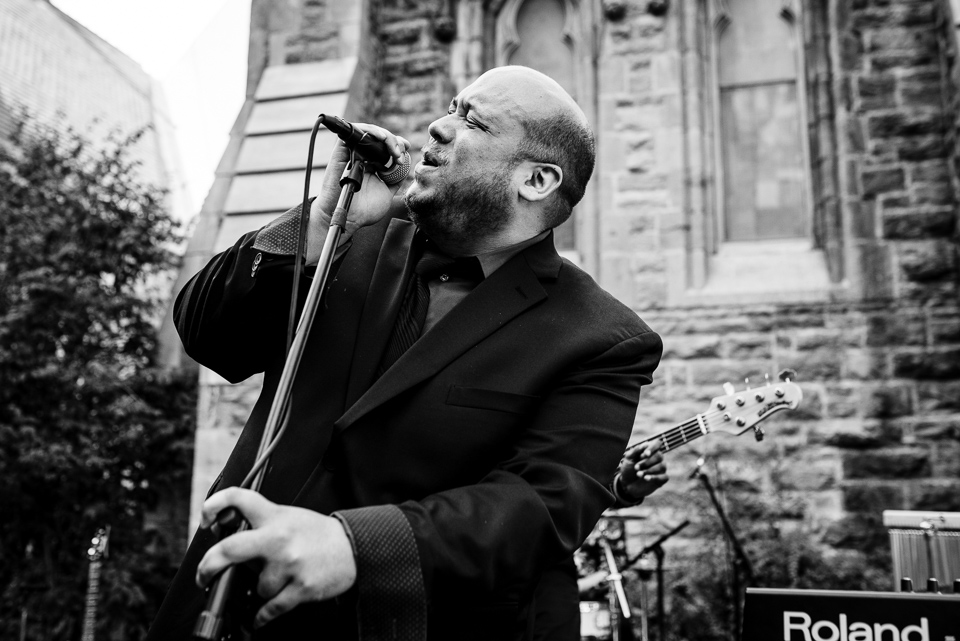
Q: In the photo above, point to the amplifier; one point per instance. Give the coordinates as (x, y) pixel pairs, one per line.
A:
(838, 615)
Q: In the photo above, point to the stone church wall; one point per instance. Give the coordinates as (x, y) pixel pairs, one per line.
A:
(879, 426)
(879, 363)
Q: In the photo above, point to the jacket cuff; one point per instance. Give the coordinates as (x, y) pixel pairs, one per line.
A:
(279, 236)
(623, 500)
(392, 600)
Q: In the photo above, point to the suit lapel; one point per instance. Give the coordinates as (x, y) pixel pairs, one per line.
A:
(508, 292)
(382, 304)
(333, 340)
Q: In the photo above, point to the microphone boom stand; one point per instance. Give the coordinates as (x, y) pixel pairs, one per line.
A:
(213, 620)
(740, 557)
(657, 548)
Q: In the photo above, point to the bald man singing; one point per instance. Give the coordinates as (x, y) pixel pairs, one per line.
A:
(425, 484)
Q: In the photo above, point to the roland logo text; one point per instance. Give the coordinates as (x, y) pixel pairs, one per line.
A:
(798, 626)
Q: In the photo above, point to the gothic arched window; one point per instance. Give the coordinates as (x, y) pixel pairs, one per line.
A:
(764, 161)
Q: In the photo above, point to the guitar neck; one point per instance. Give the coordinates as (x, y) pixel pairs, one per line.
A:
(734, 413)
(93, 593)
(681, 434)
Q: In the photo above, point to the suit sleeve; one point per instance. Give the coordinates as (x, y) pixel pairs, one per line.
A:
(533, 509)
(232, 315)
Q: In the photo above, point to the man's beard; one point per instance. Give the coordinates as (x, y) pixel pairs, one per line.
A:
(459, 212)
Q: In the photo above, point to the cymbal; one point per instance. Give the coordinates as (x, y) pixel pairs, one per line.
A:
(623, 516)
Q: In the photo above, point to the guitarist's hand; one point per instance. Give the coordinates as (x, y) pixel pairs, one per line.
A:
(642, 471)
(306, 556)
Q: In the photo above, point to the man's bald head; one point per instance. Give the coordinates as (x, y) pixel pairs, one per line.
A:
(510, 159)
(555, 127)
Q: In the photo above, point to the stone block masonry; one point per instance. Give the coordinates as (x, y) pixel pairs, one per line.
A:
(879, 365)
(895, 66)
(415, 85)
(877, 425)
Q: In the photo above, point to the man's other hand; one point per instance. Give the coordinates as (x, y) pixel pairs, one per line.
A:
(306, 556)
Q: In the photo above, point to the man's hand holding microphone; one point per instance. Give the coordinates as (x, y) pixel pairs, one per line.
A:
(387, 164)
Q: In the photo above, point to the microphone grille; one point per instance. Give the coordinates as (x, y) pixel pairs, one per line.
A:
(398, 172)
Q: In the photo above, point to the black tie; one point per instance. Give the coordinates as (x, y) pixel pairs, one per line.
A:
(416, 299)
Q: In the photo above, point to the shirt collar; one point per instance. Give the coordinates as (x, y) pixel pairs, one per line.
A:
(494, 260)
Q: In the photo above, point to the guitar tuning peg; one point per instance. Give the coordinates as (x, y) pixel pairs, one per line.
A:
(758, 432)
(787, 375)
(728, 389)
(766, 378)
(746, 382)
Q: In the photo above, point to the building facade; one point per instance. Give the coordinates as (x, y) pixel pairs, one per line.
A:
(776, 188)
(60, 73)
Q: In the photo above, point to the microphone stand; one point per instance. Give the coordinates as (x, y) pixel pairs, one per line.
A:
(657, 548)
(213, 620)
(741, 561)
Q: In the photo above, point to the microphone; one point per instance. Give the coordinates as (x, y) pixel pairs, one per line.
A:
(696, 470)
(369, 148)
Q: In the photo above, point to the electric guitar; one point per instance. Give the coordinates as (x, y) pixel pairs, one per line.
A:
(95, 554)
(735, 412)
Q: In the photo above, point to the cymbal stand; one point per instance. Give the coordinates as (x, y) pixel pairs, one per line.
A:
(619, 606)
(657, 549)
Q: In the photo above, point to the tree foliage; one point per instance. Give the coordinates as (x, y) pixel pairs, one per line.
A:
(91, 432)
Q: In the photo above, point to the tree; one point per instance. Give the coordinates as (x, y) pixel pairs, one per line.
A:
(91, 432)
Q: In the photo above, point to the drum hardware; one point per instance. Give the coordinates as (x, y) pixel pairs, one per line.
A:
(656, 548)
(602, 620)
(622, 515)
(617, 598)
(594, 620)
(741, 410)
(645, 571)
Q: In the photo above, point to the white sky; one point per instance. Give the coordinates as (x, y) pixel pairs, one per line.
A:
(197, 50)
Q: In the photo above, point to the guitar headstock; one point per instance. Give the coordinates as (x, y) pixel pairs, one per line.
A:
(736, 412)
(98, 544)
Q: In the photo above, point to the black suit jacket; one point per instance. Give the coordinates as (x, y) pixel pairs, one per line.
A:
(481, 457)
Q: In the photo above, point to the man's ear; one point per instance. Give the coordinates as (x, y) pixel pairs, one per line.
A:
(538, 180)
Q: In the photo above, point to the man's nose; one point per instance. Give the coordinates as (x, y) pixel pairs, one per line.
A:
(441, 129)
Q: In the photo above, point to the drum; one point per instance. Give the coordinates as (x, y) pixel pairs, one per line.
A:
(594, 621)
